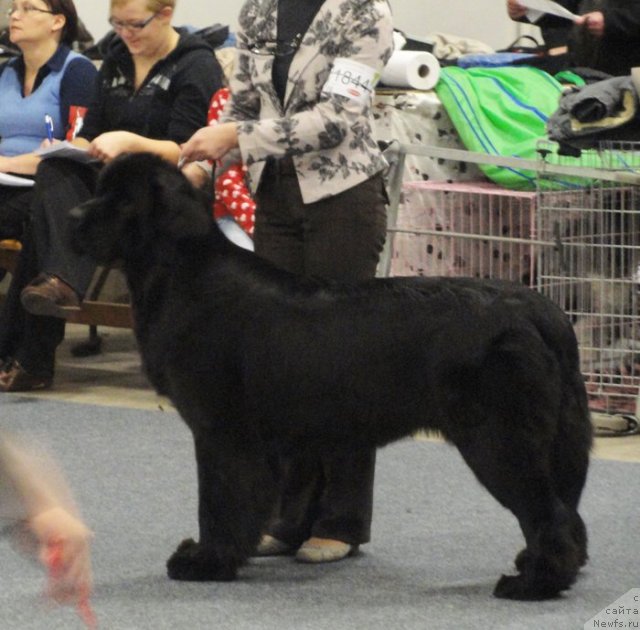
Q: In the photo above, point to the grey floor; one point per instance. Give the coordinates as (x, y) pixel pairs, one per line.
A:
(439, 540)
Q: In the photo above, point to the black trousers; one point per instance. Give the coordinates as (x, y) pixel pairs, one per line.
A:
(336, 238)
(15, 203)
(60, 186)
(30, 339)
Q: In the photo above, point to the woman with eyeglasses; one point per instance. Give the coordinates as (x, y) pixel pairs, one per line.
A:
(47, 81)
(153, 92)
(300, 115)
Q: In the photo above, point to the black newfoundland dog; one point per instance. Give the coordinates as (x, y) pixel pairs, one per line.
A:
(260, 362)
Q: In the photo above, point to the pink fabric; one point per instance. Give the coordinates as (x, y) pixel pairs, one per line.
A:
(455, 216)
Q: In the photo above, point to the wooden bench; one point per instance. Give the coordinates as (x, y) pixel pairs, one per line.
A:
(96, 309)
(9, 252)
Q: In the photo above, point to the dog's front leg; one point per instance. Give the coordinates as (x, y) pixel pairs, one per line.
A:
(236, 492)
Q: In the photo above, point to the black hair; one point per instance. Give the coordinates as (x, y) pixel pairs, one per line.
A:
(68, 9)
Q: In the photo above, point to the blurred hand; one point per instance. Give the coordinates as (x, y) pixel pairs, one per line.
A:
(48, 143)
(64, 543)
(515, 10)
(108, 146)
(198, 176)
(593, 22)
(210, 143)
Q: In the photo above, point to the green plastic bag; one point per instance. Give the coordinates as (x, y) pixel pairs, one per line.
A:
(502, 111)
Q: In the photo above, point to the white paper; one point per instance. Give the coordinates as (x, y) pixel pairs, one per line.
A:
(547, 6)
(13, 180)
(411, 69)
(65, 150)
(533, 16)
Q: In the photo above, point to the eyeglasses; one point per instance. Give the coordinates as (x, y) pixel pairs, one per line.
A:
(117, 25)
(26, 9)
(276, 48)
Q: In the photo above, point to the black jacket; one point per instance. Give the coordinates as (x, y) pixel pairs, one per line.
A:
(619, 49)
(171, 104)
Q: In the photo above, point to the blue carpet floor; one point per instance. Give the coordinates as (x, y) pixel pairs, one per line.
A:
(439, 543)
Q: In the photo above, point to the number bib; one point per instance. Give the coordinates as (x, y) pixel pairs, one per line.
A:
(351, 79)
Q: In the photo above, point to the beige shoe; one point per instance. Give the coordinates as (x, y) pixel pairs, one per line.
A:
(316, 550)
(270, 546)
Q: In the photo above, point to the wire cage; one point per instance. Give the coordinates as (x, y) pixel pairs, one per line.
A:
(576, 238)
(592, 270)
(464, 229)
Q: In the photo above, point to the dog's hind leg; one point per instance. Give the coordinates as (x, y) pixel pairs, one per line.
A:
(569, 466)
(518, 475)
(570, 457)
(569, 491)
(236, 492)
(527, 401)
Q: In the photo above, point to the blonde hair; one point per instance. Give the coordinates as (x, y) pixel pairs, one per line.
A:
(152, 5)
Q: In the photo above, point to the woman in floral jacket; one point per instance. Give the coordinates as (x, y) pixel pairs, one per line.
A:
(300, 116)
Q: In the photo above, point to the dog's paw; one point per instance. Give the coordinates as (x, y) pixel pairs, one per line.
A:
(192, 562)
(520, 588)
(522, 560)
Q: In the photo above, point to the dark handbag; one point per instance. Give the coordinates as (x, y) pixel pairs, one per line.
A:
(525, 44)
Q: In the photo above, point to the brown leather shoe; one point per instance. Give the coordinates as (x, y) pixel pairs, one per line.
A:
(48, 295)
(15, 378)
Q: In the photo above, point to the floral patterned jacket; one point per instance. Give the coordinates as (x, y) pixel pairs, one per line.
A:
(327, 132)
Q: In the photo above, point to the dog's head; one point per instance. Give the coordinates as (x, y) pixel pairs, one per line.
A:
(142, 202)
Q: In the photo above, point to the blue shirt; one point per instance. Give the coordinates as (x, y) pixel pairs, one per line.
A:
(65, 81)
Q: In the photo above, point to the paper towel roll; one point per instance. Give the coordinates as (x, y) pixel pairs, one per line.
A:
(411, 69)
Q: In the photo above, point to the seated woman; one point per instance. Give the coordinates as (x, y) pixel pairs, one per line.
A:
(152, 94)
(47, 79)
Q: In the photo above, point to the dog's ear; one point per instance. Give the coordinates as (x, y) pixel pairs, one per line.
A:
(181, 211)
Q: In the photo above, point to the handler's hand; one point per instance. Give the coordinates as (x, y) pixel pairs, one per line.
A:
(199, 176)
(593, 22)
(515, 10)
(210, 143)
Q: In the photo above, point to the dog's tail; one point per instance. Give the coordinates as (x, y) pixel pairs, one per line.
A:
(520, 369)
(503, 361)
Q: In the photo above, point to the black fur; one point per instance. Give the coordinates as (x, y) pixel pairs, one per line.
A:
(259, 362)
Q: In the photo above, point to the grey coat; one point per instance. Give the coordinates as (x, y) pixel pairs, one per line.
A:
(597, 109)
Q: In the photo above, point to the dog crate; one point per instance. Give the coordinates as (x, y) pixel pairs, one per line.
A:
(592, 270)
(576, 239)
(464, 229)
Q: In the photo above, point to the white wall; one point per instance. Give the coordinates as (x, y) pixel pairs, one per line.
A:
(485, 20)
(94, 13)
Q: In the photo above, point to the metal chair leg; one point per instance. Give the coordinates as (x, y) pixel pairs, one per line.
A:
(90, 347)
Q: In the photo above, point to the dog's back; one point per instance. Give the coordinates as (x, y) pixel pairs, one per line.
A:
(392, 351)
